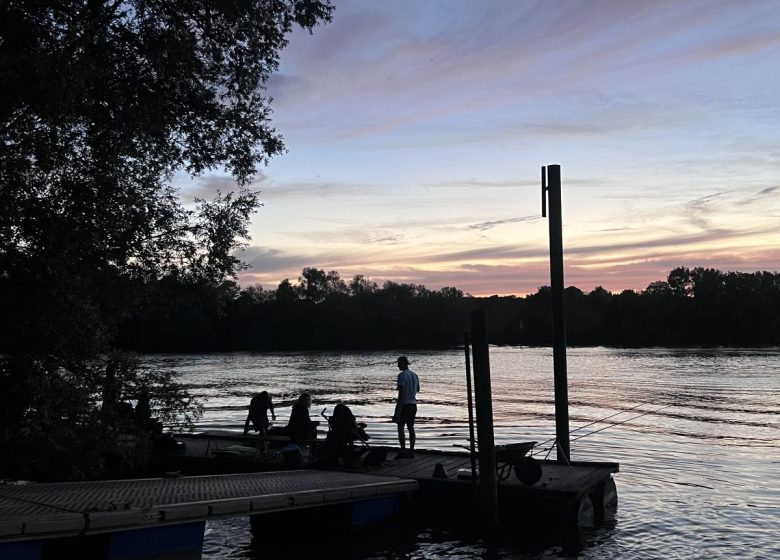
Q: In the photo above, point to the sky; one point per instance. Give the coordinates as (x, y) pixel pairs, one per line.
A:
(416, 132)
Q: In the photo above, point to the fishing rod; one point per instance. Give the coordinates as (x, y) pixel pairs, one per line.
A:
(541, 446)
(612, 425)
(651, 403)
(623, 421)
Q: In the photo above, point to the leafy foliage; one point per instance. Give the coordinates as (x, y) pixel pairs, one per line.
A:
(103, 102)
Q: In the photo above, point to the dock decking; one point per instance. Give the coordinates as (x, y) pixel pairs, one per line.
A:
(262, 484)
(565, 495)
(558, 480)
(34, 511)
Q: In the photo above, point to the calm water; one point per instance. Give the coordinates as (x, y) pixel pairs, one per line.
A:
(700, 474)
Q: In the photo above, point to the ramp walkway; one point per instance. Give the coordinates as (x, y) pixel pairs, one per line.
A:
(36, 511)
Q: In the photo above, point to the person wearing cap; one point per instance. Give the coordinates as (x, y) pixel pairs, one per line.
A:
(408, 385)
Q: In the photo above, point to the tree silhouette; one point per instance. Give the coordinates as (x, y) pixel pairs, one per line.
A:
(709, 308)
(103, 102)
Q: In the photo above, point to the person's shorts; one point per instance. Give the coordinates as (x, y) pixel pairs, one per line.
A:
(408, 414)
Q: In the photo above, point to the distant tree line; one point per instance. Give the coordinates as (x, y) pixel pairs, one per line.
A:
(322, 311)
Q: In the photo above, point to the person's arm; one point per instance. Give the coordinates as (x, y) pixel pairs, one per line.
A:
(271, 408)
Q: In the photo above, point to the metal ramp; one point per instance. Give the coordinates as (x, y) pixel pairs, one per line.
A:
(34, 511)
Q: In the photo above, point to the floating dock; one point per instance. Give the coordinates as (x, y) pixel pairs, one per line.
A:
(150, 518)
(563, 498)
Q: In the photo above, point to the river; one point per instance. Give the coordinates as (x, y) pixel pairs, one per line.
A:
(697, 437)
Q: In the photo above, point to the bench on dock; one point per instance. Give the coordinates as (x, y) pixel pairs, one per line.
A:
(215, 438)
(245, 445)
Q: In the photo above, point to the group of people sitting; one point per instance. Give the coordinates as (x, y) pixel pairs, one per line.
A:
(299, 428)
(343, 428)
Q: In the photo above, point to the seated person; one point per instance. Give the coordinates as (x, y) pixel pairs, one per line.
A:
(143, 414)
(301, 427)
(340, 441)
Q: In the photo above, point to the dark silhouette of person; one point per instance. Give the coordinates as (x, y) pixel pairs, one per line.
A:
(143, 414)
(301, 427)
(343, 431)
(259, 407)
(408, 385)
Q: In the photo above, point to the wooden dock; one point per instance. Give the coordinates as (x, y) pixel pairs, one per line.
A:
(32, 511)
(166, 516)
(564, 497)
(37, 519)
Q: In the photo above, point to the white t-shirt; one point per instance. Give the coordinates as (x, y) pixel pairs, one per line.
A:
(408, 386)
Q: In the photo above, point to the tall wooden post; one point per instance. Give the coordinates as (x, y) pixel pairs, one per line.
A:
(553, 191)
(488, 484)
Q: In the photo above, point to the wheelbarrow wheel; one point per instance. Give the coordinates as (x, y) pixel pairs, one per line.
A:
(528, 471)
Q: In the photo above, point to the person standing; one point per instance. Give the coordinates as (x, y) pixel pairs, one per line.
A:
(408, 385)
(259, 407)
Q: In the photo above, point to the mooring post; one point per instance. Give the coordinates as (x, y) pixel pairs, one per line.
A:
(553, 191)
(488, 484)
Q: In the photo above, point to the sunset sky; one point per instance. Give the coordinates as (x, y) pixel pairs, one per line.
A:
(416, 132)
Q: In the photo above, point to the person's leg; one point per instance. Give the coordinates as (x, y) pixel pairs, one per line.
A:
(401, 436)
(263, 432)
(412, 435)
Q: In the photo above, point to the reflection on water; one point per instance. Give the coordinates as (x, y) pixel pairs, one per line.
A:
(697, 435)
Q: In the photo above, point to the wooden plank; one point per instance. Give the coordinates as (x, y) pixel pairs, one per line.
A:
(423, 468)
(407, 468)
(587, 481)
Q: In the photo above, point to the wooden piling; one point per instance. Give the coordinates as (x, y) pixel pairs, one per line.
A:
(488, 484)
(553, 191)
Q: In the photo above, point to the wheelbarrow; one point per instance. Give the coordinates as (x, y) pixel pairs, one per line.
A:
(512, 456)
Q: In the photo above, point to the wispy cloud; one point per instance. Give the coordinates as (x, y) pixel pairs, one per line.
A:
(277, 190)
(699, 210)
(484, 226)
(206, 187)
(761, 197)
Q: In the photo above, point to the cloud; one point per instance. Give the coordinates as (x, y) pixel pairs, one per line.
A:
(263, 260)
(353, 235)
(485, 278)
(762, 197)
(698, 210)
(206, 187)
(657, 105)
(384, 67)
(484, 226)
(670, 241)
(277, 190)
